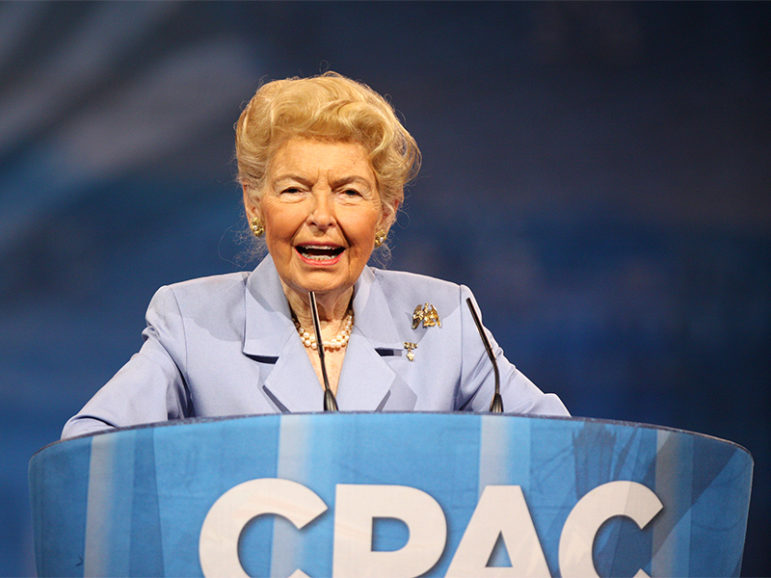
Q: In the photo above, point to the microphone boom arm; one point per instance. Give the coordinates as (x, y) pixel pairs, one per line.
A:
(496, 406)
(330, 403)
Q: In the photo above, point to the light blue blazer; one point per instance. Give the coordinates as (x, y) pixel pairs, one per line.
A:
(226, 346)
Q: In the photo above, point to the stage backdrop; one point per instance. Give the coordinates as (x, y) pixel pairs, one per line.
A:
(597, 174)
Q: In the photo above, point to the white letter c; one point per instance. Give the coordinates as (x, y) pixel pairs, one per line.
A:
(620, 498)
(233, 510)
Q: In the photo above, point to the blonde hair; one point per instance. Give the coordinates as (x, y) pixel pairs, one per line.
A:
(329, 107)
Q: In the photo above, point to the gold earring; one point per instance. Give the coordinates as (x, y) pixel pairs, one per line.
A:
(380, 238)
(257, 228)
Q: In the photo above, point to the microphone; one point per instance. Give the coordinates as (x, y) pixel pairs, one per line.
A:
(496, 406)
(330, 403)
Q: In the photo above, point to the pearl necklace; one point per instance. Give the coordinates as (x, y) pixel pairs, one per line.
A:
(338, 342)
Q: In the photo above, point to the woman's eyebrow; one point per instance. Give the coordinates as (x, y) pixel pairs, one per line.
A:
(292, 177)
(350, 179)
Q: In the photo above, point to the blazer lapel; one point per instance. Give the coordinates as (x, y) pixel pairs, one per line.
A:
(270, 337)
(367, 379)
(293, 384)
(268, 320)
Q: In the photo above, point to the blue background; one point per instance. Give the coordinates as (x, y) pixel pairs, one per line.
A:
(598, 174)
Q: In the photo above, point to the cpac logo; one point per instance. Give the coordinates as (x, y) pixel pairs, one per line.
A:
(501, 510)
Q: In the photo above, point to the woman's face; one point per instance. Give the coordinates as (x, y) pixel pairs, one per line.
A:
(320, 207)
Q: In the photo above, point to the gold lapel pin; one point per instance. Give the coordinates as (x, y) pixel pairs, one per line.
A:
(410, 347)
(427, 314)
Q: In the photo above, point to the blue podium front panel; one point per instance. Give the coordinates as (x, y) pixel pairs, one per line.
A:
(391, 494)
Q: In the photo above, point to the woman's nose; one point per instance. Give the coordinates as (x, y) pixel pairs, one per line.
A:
(322, 212)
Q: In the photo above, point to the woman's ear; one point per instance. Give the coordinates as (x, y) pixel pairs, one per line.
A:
(389, 215)
(251, 204)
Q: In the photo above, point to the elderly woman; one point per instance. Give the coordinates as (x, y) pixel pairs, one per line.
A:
(323, 162)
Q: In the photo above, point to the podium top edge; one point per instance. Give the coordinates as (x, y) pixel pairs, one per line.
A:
(459, 414)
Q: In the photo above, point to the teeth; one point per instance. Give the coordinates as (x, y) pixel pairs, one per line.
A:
(319, 257)
(319, 252)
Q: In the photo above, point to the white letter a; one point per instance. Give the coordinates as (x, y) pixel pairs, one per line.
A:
(501, 511)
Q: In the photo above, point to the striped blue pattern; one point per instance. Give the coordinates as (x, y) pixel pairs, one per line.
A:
(131, 502)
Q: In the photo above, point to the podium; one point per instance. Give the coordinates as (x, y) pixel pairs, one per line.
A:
(391, 494)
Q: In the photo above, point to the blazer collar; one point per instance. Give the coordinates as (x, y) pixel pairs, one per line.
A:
(268, 318)
(372, 314)
(270, 333)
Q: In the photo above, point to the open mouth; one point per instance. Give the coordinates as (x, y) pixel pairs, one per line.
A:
(319, 253)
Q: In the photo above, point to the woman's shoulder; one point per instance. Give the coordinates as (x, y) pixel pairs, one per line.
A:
(416, 287)
(386, 276)
(208, 284)
(201, 290)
